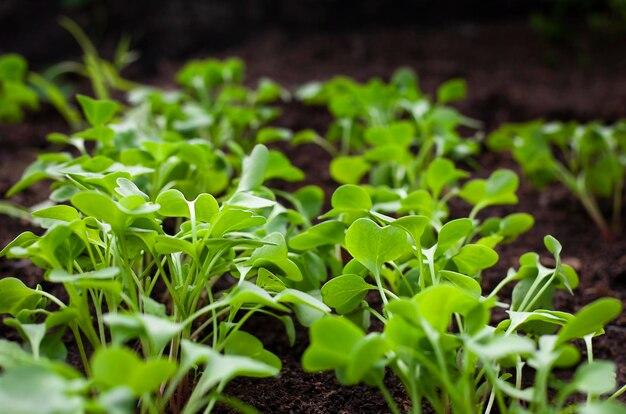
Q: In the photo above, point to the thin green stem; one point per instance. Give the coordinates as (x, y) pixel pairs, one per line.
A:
(391, 403)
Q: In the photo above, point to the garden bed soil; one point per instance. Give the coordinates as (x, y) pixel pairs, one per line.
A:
(512, 76)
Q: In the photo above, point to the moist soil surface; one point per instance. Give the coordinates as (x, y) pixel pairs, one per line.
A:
(512, 76)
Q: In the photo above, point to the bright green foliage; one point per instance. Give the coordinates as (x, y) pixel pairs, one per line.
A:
(420, 247)
(391, 131)
(22, 90)
(588, 159)
(15, 94)
(163, 235)
(109, 249)
(109, 242)
(440, 344)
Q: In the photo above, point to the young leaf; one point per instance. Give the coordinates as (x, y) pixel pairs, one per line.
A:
(348, 169)
(442, 173)
(243, 344)
(59, 212)
(472, 258)
(499, 188)
(399, 133)
(16, 296)
(452, 233)
(327, 232)
(101, 207)
(279, 166)
(552, 245)
(452, 90)
(344, 293)
(34, 389)
(372, 245)
(158, 331)
(590, 319)
(253, 170)
(98, 111)
(597, 377)
(298, 297)
(351, 197)
(116, 366)
(332, 340)
(437, 303)
(275, 253)
(413, 225)
(219, 368)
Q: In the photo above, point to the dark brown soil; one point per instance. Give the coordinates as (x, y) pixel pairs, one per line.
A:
(512, 76)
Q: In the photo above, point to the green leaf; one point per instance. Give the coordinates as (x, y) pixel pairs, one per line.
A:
(268, 281)
(14, 211)
(344, 293)
(15, 296)
(451, 91)
(543, 320)
(231, 219)
(32, 332)
(102, 279)
(515, 224)
(503, 346)
(31, 389)
(603, 407)
(332, 340)
(373, 245)
(298, 297)
(597, 377)
(61, 276)
(414, 226)
(276, 254)
(244, 344)
(249, 201)
(98, 111)
(437, 303)
(473, 258)
(498, 189)
(219, 368)
(247, 293)
(101, 207)
(279, 166)
(311, 200)
(173, 204)
(365, 355)
(399, 133)
(552, 245)
(348, 169)
(350, 197)
(158, 331)
(205, 207)
(126, 188)
(452, 234)
(440, 174)
(57, 213)
(327, 232)
(254, 168)
(116, 366)
(271, 134)
(466, 283)
(169, 244)
(13, 67)
(590, 319)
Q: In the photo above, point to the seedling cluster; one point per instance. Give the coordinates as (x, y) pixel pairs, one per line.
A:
(167, 228)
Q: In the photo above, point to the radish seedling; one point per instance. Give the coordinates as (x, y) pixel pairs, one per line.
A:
(586, 158)
(441, 346)
(373, 135)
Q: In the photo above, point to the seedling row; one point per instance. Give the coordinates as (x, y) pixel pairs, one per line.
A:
(168, 226)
